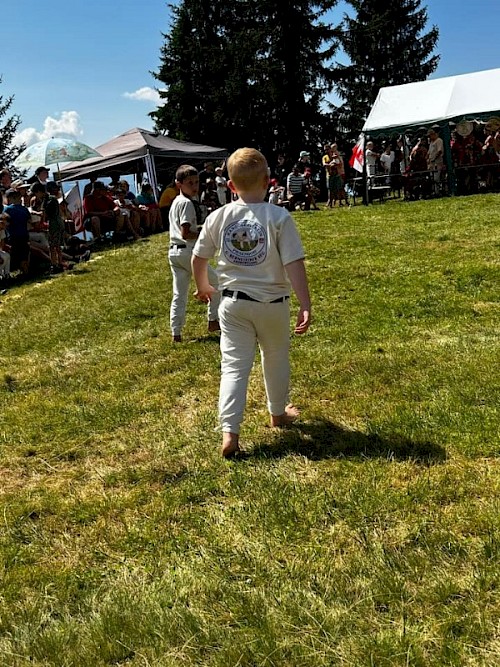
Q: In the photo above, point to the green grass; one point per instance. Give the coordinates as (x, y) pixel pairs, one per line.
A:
(368, 535)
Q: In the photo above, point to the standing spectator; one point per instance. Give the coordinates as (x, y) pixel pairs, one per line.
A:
(221, 183)
(435, 158)
(371, 159)
(17, 221)
(56, 226)
(281, 170)
(207, 173)
(41, 175)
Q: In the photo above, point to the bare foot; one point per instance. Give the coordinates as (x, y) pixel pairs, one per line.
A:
(213, 325)
(230, 444)
(288, 417)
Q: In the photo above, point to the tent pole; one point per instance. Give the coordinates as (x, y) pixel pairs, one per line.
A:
(450, 171)
(366, 194)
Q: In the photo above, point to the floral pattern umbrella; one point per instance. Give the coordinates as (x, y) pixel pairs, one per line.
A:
(54, 151)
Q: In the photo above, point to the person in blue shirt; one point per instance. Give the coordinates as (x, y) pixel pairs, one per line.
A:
(18, 217)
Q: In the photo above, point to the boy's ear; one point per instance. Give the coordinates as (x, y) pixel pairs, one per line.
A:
(230, 185)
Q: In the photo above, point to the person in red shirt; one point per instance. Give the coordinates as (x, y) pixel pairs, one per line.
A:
(99, 210)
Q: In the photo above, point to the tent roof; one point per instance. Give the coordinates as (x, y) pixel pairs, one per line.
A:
(472, 96)
(125, 153)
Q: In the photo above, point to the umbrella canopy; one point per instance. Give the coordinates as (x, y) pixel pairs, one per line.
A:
(54, 151)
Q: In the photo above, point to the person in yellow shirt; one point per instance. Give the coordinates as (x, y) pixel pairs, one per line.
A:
(166, 198)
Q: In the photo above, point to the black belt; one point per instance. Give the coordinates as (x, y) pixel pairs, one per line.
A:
(178, 245)
(245, 297)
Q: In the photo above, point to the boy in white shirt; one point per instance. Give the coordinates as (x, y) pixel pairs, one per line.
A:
(259, 253)
(184, 219)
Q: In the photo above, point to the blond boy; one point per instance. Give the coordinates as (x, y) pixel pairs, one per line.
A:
(259, 253)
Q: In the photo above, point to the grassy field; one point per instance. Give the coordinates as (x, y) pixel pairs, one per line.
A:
(367, 535)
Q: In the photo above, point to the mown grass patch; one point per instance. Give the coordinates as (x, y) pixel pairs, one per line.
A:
(367, 535)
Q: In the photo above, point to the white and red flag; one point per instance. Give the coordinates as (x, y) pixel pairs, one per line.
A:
(74, 203)
(358, 156)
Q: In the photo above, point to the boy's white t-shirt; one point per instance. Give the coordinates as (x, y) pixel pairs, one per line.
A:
(182, 212)
(252, 244)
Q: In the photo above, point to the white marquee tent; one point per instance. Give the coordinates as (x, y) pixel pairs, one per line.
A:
(474, 96)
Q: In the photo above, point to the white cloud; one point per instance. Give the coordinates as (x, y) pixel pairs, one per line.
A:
(67, 125)
(145, 94)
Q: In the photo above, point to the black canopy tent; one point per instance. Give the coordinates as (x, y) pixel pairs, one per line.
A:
(138, 151)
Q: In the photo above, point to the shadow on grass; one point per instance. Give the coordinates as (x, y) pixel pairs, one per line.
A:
(322, 439)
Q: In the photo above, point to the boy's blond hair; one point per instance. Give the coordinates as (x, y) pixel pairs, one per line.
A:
(246, 168)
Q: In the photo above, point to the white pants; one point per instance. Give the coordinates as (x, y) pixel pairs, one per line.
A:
(180, 265)
(243, 324)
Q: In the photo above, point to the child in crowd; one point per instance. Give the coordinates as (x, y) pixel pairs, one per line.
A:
(128, 214)
(184, 220)
(149, 210)
(276, 193)
(17, 221)
(258, 252)
(56, 226)
(221, 184)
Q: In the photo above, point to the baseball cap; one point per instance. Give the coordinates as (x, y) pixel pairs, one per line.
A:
(304, 154)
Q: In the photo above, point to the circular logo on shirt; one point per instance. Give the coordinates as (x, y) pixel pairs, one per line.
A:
(245, 243)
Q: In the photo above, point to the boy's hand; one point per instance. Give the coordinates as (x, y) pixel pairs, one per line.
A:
(205, 293)
(303, 322)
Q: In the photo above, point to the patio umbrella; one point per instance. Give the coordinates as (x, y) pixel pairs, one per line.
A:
(54, 151)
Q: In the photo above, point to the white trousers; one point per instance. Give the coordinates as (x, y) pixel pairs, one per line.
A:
(243, 325)
(180, 265)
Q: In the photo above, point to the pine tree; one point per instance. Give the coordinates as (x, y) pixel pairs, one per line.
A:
(386, 45)
(246, 72)
(8, 129)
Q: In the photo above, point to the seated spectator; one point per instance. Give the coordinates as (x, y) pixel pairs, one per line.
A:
(100, 216)
(490, 161)
(128, 215)
(276, 193)
(296, 189)
(4, 254)
(167, 197)
(150, 211)
(17, 221)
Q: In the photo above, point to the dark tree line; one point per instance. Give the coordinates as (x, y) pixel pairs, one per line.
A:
(255, 72)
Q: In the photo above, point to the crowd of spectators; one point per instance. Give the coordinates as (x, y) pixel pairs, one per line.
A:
(418, 166)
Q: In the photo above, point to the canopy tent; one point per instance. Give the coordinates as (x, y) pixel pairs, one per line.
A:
(138, 151)
(474, 96)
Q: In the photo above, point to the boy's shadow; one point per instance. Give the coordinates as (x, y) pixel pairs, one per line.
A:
(322, 439)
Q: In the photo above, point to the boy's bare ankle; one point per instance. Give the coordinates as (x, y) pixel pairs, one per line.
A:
(230, 444)
(288, 417)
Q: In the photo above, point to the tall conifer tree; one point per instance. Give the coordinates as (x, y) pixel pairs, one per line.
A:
(386, 45)
(246, 72)
(8, 128)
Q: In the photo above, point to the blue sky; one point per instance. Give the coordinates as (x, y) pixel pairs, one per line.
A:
(83, 67)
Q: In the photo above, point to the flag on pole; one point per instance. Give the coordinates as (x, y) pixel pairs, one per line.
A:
(74, 203)
(357, 157)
